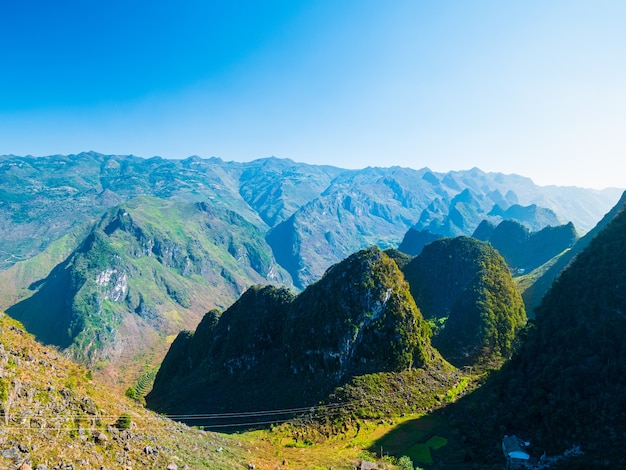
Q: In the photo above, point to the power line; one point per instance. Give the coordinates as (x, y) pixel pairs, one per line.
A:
(177, 417)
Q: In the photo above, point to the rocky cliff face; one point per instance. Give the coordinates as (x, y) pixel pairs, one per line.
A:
(151, 265)
(333, 212)
(144, 272)
(359, 318)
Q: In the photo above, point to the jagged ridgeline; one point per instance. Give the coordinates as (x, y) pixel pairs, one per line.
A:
(272, 349)
(451, 217)
(314, 216)
(524, 250)
(567, 385)
(142, 273)
(464, 287)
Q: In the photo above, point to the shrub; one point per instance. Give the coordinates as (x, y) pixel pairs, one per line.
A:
(4, 390)
(123, 422)
(131, 393)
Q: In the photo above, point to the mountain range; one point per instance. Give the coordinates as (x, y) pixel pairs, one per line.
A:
(108, 256)
(299, 300)
(143, 273)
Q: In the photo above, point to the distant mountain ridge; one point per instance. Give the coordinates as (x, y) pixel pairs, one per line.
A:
(566, 386)
(318, 215)
(524, 250)
(533, 295)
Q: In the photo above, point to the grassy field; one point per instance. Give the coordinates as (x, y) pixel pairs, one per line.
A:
(424, 438)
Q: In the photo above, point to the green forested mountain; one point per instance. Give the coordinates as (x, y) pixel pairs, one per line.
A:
(524, 250)
(142, 273)
(110, 257)
(541, 279)
(567, 385)
(465, 287)
(272, 349)
(43, 198)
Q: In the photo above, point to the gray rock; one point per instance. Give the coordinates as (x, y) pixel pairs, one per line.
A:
(88, 406)
(12, 453)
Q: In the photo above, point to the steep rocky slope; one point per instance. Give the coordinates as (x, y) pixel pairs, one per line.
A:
(44, 198)
(567, 385)
(378, 206)
(55, 416)
(273, 350)
(111, 291)
(327, 212)
(148, 269)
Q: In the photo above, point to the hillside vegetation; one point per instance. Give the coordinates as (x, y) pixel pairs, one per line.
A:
(320, 214)
(541, 279)
(54, 415)
(464, 287)
(308, 322)
(109, 257)
(566, 386)
(144, 272)
(293, 351)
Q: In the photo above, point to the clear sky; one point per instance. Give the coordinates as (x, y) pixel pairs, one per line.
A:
(534, 87)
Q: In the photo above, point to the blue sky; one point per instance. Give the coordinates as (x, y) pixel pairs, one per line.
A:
(534, 87)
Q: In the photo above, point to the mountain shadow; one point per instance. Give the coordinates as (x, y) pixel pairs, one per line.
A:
(524, 250)
(567, 385)
(535, 292)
